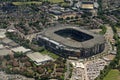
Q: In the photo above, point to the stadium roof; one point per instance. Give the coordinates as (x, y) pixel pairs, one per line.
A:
(49, 34)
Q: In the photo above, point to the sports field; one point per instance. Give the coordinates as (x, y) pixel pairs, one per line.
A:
(54, 1)
(114, 74)
(24, 3)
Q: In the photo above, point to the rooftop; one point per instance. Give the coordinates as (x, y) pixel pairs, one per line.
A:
(2, 33)
(38, 58)
(87, 6)
(6, 41)
(49, 34)
(1, 46)
(80, 65)
(20, 49)
(5, 52)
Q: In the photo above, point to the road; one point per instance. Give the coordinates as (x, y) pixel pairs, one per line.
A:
(109, 36)
(68, 70)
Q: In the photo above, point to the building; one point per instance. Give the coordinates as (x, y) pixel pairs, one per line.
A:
(87, 5)
(70, 15)
(9, 43)
(71, 41)
(20, 49)
(38, 58)
(6, 41)
(64, 14)
(4, 51)
(2, 33)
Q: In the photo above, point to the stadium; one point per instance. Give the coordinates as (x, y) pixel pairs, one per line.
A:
(69, 41)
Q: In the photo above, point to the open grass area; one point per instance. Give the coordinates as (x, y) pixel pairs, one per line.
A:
(118, 29)
(114, 74)
(36, 2)
(54, 56)
(24, 3)
(54, 1)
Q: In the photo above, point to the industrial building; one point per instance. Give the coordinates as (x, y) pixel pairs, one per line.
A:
(20, 49)
(38, 58)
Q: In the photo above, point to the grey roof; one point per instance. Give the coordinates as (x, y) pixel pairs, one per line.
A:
(39, 58)
(5, 52)
(6, 40)
(49, 33)
(13, 44)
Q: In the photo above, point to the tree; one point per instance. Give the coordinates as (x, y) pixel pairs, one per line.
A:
(72, 17)
(68, 18)
(18, 54)
(76, 17)
(27, 64)
(7, 57)
(60, 19)
(104, 29)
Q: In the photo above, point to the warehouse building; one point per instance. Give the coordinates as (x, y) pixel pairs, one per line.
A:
(38, 58)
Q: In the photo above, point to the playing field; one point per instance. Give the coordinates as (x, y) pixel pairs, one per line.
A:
(24, 3)
(54, 56)
(56, 1)
(113, 75)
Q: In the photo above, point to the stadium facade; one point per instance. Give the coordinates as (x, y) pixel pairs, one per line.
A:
(71, 41)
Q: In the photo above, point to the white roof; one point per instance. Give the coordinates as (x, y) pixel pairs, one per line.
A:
(106, 59)
(80, 65)
(54, 42)
(20, 49)
(113, 52)
(73, 63)
(39, 58)
(11, 30)
(2, 33)
(96, 4)
(49, 40)
(1, 46)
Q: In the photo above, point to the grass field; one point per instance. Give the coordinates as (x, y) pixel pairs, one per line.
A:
(54, 56)
(24, 3)
(113, 75)
(118, 29)
(36, 2)
(54, 1)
